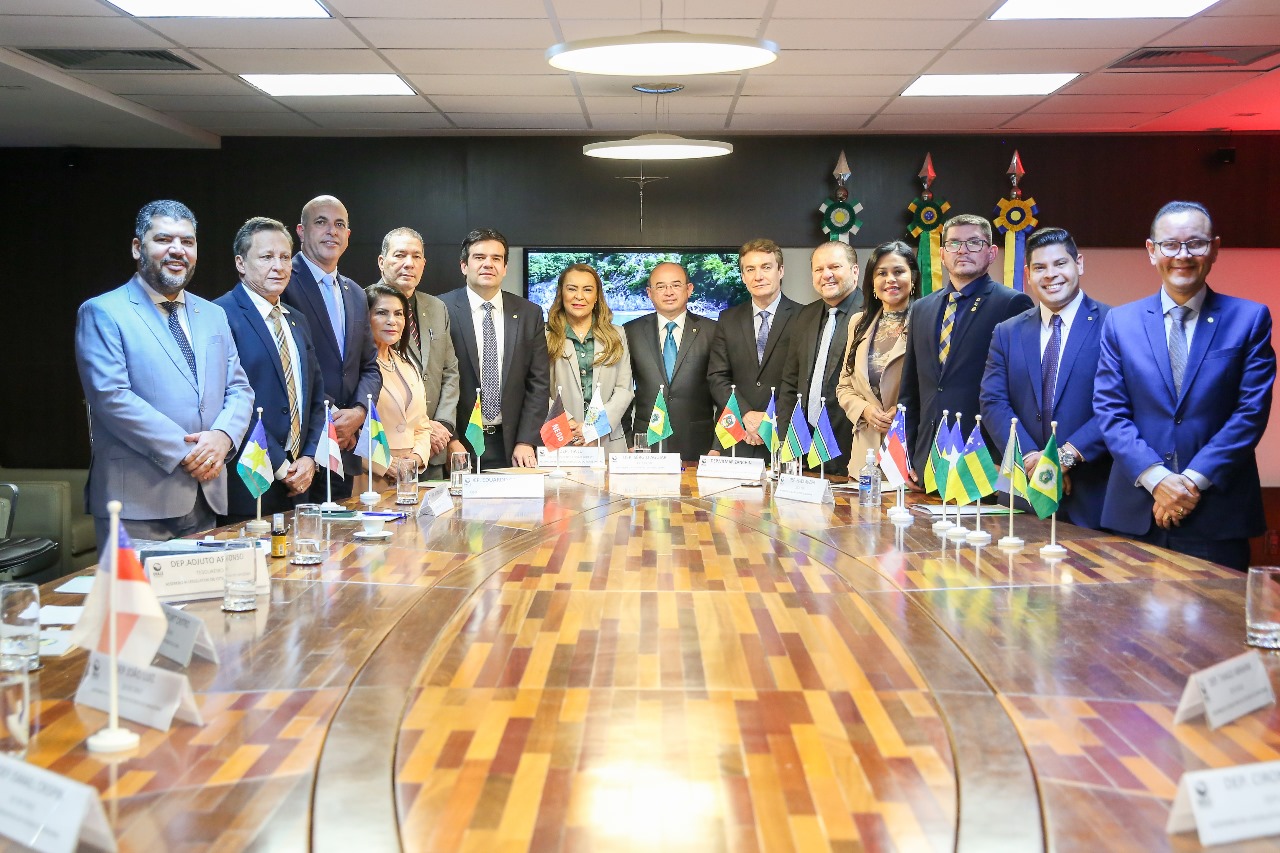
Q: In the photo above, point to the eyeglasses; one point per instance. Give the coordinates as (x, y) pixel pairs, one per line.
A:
(670, 287)
(974, 245)
(1173, 248)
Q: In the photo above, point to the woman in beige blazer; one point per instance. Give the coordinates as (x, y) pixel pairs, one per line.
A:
(872, 372)
(588, 354)
(402, 404)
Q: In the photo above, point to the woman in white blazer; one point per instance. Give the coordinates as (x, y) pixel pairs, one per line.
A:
(588, 354)
(872, 372)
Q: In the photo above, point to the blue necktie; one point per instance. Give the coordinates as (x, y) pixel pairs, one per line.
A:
(175, 329)
(762, 336)
(1178, 345)
(1049, 371)
(669, 350)
(333, 302)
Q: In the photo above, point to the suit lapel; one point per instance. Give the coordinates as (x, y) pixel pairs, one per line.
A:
(1206, 324)
(1084, 329)
(927, 324)
(1153, 325)
(1029, 340)
(300, 343)
(150, 316)
(688, 339)
(351, 296)
(835, 355)
(511, 330)
(460, 304)
(316, 301)
(254, 319)
(777, 325)
(981, 298)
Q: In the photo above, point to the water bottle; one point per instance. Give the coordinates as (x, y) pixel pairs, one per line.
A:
(869, 482)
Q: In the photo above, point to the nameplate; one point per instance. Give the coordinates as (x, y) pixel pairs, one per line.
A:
(646, 486)
(187, 635)
(150, 696)
(436, 502)
(810, 490)
(731, 468)
(570, 457)
(1226, 691)
(504, 486)
(1228, 804)
(201, 574)
(644, 463)
(48, 812)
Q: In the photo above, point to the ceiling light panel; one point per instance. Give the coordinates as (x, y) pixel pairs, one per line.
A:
(221, 8)
(321, 85)
(953, 85)
(1015, 10)
(662, 53)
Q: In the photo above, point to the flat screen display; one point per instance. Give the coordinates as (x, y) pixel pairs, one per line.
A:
(625, 276)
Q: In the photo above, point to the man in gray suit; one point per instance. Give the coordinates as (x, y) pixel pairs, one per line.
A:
(426, 330)
(671, 348)
(168, 399)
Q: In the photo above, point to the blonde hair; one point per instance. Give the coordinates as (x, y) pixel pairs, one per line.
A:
(602, 327)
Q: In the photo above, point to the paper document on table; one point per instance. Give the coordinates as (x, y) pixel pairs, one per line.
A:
(77, 586)
(57, 614)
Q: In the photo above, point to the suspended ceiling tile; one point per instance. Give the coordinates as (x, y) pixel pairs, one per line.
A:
(267, 33)
(1078, 122)
(676, 13)
(360, 103)
(164, 83)
(1156, 83)
(1257, 29)
(506, 104)
(407, 33)
(381, 121)
(235, 61)
(492, 121)
(48, 31)
(483, 84)
(948, 123)
(812, 62)
(859, 34)
(817, 123)
(209, 103)
(590, 28)
(478, 10)
(88, 8)
(1024, 61)
(703, 84)
(1113, 103)
(959, 105)
(826, 85)
(1126, 34)
(1241, 7)
(807, 106)
(892, 9)
(482, 61)
(251, 122)
(673, 105)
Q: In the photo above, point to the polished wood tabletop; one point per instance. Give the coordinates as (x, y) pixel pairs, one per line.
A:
(667, 663)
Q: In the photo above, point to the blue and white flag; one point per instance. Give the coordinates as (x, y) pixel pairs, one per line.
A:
(595, 424)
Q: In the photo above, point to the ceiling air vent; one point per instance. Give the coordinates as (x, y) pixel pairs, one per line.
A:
(1252, 58)
(111, 60)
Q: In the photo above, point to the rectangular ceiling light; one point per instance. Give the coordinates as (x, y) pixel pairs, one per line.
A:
(986, 84)
(1014, 10)
(312, 85)
(222, 8)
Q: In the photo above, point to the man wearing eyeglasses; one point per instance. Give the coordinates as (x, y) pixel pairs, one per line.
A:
(1183, 393)
(950, 334)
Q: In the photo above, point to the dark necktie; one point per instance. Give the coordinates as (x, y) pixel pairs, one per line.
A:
(669, 350)
(1178, 345)
(490, 384)
(1049, 369)
(762, 336)
(175, 329)
(290, 384)
(415, 334)
(948, 326)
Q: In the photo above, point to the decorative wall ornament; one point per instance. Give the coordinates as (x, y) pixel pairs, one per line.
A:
(1015, 218)
(840, 214)
(928, 214)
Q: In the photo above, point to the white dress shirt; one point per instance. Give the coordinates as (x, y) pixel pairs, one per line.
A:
(295, 359)
(1068, 315)
(477, 321)
(677, 332)
(772, 308)
(157, 299)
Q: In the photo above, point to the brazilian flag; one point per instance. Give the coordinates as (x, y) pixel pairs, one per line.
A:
(659, 421)
(1044, 489)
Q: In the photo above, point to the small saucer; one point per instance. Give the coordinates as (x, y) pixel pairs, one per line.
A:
(360, 534)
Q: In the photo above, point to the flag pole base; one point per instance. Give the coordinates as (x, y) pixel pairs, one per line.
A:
(1053, 552)
(369, 498)
(330, 506)
(941, 526)
(958, 533)
(258, 528)
(113, 740)
(1011, 543)
(978, 537)
(556, 473)
(899, 515)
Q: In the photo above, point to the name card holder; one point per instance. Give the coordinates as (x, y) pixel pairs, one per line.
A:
(436, 502)
(731, 468)
(506, 486)
(187, 635)
(644, 463)
(571, 457)
(1228, 804)
(48, 812)
(201, 573)
(812, 490)
(1226, 691)
(148, 695)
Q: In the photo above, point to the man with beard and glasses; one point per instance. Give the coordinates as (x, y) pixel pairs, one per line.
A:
(168, 399)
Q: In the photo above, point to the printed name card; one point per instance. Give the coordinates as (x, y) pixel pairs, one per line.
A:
(812, 490)
(436, 502)
(148, 695)
(187, 634)
(503, 486)
(1228, 804)
(202, 573)
(644, 463)
(48, 812)
(1226, 691)
(731, 468)
(570, 457)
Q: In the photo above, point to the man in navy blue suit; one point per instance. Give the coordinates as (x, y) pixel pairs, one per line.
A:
(279, 358)
(950, 333)
(1041, 369)
(1183, 393)
(338, 312)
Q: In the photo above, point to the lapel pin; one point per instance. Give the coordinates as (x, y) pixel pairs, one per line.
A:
(1208, 319)
(1090, 319)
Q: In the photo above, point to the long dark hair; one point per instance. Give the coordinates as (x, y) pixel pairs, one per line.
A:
(872, 306)
(376, 292)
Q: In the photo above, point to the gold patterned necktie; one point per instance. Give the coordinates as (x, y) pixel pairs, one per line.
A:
(948, 326)
(290, 384)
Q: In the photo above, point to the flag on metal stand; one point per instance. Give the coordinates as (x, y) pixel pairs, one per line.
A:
(659, 420)
(729, 428)
(595, 423)
(475, 431)
(556, 432)
(254, 465)
(894, 459)
(798, 441)
(824, 447)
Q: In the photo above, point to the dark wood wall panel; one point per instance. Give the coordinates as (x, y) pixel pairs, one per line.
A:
(70, 214)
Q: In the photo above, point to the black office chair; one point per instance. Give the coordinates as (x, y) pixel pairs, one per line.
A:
(24, 558)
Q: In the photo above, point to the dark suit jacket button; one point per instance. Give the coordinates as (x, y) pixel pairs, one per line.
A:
(1177, 420)
(757, 384)
(939, 388)
(284, 410)
(1037, 417)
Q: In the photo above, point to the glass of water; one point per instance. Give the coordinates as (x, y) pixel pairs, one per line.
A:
(20, 622)
(641, 444)
(1262, 607)
(240, 591)
(459, 465)
(308, 535)
(15, 707)
(406, 479)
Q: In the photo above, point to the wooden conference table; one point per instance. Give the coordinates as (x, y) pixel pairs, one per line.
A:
(674, 664)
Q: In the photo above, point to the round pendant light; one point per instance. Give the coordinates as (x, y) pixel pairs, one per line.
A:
(657, 146)
(662, 53)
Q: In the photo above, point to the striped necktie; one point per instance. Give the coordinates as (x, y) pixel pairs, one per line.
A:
(1178, 345)
(948, 326)
(290, 383)
(175, 329)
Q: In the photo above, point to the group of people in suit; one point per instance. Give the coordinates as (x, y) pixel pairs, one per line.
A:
(1158, 405)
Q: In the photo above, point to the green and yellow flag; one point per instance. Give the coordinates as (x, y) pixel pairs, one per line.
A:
(659, 421)
(475, 429)
(1044, 489)
(974, 474)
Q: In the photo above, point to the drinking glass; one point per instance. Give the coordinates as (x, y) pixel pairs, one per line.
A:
(240, 592)
(308, 535)
(15, 707)
(1262, 607)
(406, 470)
(459, 464)
(20, 622)
(641, 444)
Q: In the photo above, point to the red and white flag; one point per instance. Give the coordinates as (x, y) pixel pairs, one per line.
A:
(557, 431)
(894, 460)
(328, 453)
(140, 622)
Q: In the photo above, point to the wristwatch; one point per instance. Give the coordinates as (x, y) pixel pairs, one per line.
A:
(1067, 458)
